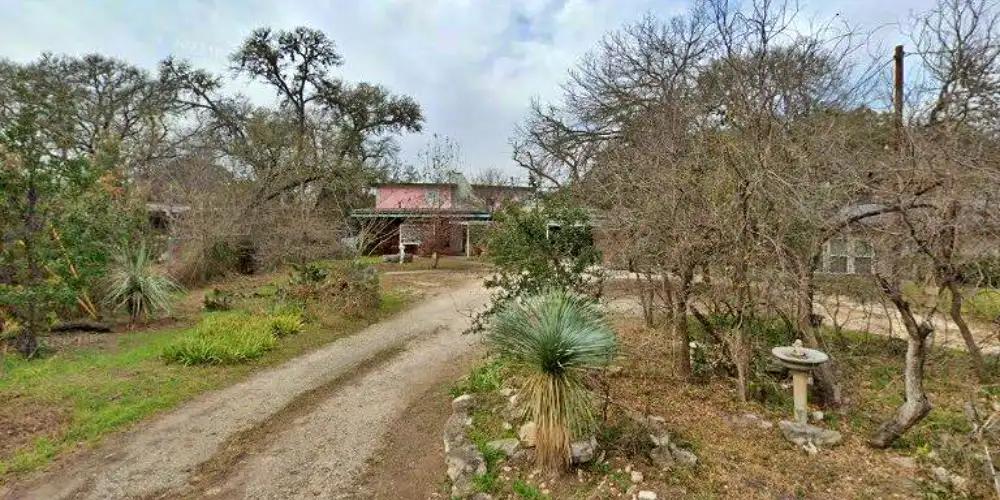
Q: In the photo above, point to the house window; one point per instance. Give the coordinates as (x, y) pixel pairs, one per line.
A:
(846, 255)
(432, 197)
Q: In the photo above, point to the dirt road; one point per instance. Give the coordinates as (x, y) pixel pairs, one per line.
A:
(302, 430)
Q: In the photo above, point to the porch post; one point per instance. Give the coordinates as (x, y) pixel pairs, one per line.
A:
(468, 239)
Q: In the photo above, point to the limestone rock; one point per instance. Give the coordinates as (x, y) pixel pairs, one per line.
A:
(636, 477)
(528, 434)
(508, 446)
(662, 458)
(683, 456)
(947, 478)
(462, 404)
(482, 496)
(583, 451)
(465, 460)
(801, 434)
(454, 431)
(817, 416)
(647, 495)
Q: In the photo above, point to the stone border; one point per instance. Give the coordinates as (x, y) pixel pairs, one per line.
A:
(462, 456)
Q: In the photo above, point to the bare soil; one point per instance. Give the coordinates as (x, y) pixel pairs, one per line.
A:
(306, 429)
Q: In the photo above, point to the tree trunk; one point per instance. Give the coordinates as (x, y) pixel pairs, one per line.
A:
(828, 393)
(975, 355)
(26, 343)
(916, 406)
(680, 320)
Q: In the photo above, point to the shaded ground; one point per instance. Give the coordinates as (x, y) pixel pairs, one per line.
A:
(302, 430)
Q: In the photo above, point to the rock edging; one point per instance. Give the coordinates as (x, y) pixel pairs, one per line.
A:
(462, 456)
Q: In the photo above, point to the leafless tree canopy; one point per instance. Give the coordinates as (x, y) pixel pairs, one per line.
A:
(733, 143)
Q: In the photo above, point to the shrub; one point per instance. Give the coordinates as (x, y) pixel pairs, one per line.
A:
(985, 304)
(533, 250)
(224, 338)
(218, 300)
(135, 286)
(555, 337)
(985, 272)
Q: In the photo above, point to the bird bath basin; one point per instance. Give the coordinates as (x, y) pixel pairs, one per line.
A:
(800, 361)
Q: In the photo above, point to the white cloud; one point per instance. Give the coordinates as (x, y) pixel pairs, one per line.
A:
(473, 64)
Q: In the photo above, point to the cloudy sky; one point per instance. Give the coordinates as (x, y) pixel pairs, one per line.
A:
(474, 65)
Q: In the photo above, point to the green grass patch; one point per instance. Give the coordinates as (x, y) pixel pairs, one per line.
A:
(483, 378)
(99, 390)
(226, 338)
(528, 491)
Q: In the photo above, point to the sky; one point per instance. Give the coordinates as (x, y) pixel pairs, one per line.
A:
(473, 65)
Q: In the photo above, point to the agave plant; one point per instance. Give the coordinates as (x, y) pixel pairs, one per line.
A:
(135, 286)
(555, 337)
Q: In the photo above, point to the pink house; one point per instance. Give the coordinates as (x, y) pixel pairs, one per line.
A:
(434, 217)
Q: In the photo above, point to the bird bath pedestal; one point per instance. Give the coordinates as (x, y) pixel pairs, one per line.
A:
(800, 361)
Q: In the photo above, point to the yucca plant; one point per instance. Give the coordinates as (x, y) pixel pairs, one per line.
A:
(554, 337)
(135, 286)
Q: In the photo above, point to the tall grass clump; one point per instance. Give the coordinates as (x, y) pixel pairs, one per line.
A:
(135, 286)
(225, 338)
(554, 337)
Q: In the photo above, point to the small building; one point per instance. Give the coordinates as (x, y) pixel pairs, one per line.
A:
(433, 217)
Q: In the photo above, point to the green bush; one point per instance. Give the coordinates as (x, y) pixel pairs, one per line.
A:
(985, 272)
(224, 338)
(985, 304)
(218, 300)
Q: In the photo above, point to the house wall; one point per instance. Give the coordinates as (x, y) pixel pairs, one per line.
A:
(413, 197)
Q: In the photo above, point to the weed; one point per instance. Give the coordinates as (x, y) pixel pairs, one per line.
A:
(286, 324)
(482, 378)
(528, 491)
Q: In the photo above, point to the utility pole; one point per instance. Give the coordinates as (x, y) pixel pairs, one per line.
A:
(897, 97)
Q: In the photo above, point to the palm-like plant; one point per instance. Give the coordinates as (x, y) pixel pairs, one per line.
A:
(135, 286)
(555, 337)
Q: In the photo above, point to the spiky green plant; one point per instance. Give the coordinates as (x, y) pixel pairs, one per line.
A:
(135, 286)
(554, 337)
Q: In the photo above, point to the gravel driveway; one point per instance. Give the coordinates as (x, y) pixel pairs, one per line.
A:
(301, 430)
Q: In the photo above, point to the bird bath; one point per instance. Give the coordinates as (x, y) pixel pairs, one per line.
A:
(800, 361)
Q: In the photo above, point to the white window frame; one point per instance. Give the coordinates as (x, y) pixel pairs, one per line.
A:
(850, 252)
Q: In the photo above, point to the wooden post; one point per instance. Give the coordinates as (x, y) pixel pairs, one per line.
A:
(897, 97)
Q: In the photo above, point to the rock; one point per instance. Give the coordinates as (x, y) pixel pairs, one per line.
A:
(465, 460)
(662, 458)
(811, 449)
(636, 477)
(507, 426)
(462, 404)
(523, 457)
(816, 416)
(454, 431)
(904, 462)
(801, 434)
(656, 422)
(482, 496)
(528, 434)
(647, 495)
(660, 439)
(583, 451)
(613, 370)
(683, 456)
(947, 478)
(507, 446)
(506, 392)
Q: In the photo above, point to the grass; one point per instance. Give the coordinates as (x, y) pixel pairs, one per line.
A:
(483, 378)
(228, 338)
(528, 491)
(78, 396)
